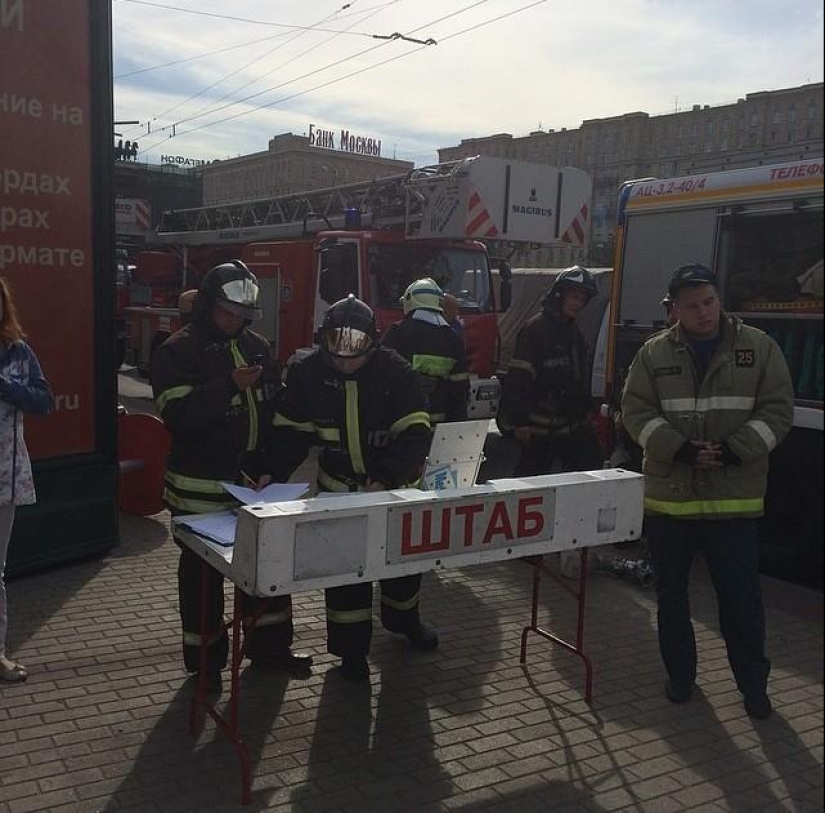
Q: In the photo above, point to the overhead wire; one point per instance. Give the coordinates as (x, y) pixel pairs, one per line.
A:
(329, 66)
(357, 72)
(214, 51)
(237, 19)
(243, 67)
(214, 107)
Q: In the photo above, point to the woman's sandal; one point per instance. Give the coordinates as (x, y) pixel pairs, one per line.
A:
(16, 673)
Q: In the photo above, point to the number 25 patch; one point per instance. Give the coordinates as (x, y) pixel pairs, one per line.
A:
(744, 358)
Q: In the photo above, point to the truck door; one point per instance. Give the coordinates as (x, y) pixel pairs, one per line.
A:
(655, 244)
(338, 275)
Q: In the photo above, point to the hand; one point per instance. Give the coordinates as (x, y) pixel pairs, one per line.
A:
(374, 485)
(709, 455)
(263, 481)
(523, 434)
(246, 377)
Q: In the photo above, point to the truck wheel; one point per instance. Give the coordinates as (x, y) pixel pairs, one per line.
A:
(791, 531)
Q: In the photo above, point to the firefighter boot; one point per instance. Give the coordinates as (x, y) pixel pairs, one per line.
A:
(355, 669)
(423, 637)
(294, 663)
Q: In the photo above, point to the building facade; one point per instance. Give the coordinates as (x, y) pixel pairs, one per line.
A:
(295, 163)
(762, 128)
(151, 189)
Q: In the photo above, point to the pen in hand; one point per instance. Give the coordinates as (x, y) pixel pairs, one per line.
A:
(262, 481)
(249, 480)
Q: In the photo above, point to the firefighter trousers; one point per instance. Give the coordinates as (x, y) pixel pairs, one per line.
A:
(578, 450)
(731, 550)
(269, 618)
(349, 613)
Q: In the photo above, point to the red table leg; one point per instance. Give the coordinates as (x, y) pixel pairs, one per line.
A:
(580, 594)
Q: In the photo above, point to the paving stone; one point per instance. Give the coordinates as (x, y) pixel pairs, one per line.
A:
(102, 723)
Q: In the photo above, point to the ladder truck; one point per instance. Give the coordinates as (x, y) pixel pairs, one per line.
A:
(760, 229)
(371, 239)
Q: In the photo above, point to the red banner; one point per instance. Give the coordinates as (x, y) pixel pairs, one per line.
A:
(46, 249)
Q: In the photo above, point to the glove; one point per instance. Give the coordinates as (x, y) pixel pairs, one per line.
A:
(728, 457)
(687, 454)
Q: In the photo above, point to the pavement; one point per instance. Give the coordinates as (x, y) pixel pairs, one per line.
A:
(101, 723)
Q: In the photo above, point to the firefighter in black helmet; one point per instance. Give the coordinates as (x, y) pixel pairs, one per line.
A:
(215, 386)
(546, 398)
(363, 405)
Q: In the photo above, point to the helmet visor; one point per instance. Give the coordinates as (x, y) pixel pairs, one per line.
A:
(240, 297)
(346, 342)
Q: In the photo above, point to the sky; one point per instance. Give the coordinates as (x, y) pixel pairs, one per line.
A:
(208, 79)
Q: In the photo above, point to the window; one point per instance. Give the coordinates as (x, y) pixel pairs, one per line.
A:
(461, 272)
(771, 267)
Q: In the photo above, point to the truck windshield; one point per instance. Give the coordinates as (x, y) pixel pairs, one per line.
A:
(463, 272)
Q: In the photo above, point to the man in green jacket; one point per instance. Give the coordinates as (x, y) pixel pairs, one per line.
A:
(707, 400)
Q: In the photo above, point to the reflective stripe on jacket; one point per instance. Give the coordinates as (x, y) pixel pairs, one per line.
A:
(437, 354)
(548, 381)
(745, 400)
(372, 425)
(210, 421)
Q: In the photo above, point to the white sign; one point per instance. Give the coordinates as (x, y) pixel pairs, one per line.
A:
(132, 216)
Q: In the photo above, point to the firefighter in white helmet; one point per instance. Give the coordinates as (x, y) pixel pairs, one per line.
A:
(215, 387)
(428, 342)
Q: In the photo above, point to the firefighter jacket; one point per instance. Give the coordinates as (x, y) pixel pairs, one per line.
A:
(548, 381)
(744, 401)
(211, 422)
(437, 354)
(371, 425)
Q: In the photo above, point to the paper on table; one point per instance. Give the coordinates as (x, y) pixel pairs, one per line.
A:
(219, 527)
(274, 492)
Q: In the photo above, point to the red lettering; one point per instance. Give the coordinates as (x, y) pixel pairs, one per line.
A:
(530, 523)
(499, 523)
(425, 544)
(468, 512)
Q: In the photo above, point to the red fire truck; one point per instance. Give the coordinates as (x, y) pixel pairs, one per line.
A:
(371, 239)
(761, 230)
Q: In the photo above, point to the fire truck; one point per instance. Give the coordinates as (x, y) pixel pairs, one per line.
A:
(761, 230)
(372, 239)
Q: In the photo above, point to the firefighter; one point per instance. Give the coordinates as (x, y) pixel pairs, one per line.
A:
(363, 405)
(425, 338)
(708, 400)
(215, 386)
(546, 398)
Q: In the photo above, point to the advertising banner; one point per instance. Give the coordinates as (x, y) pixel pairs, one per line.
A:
(46, 248)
